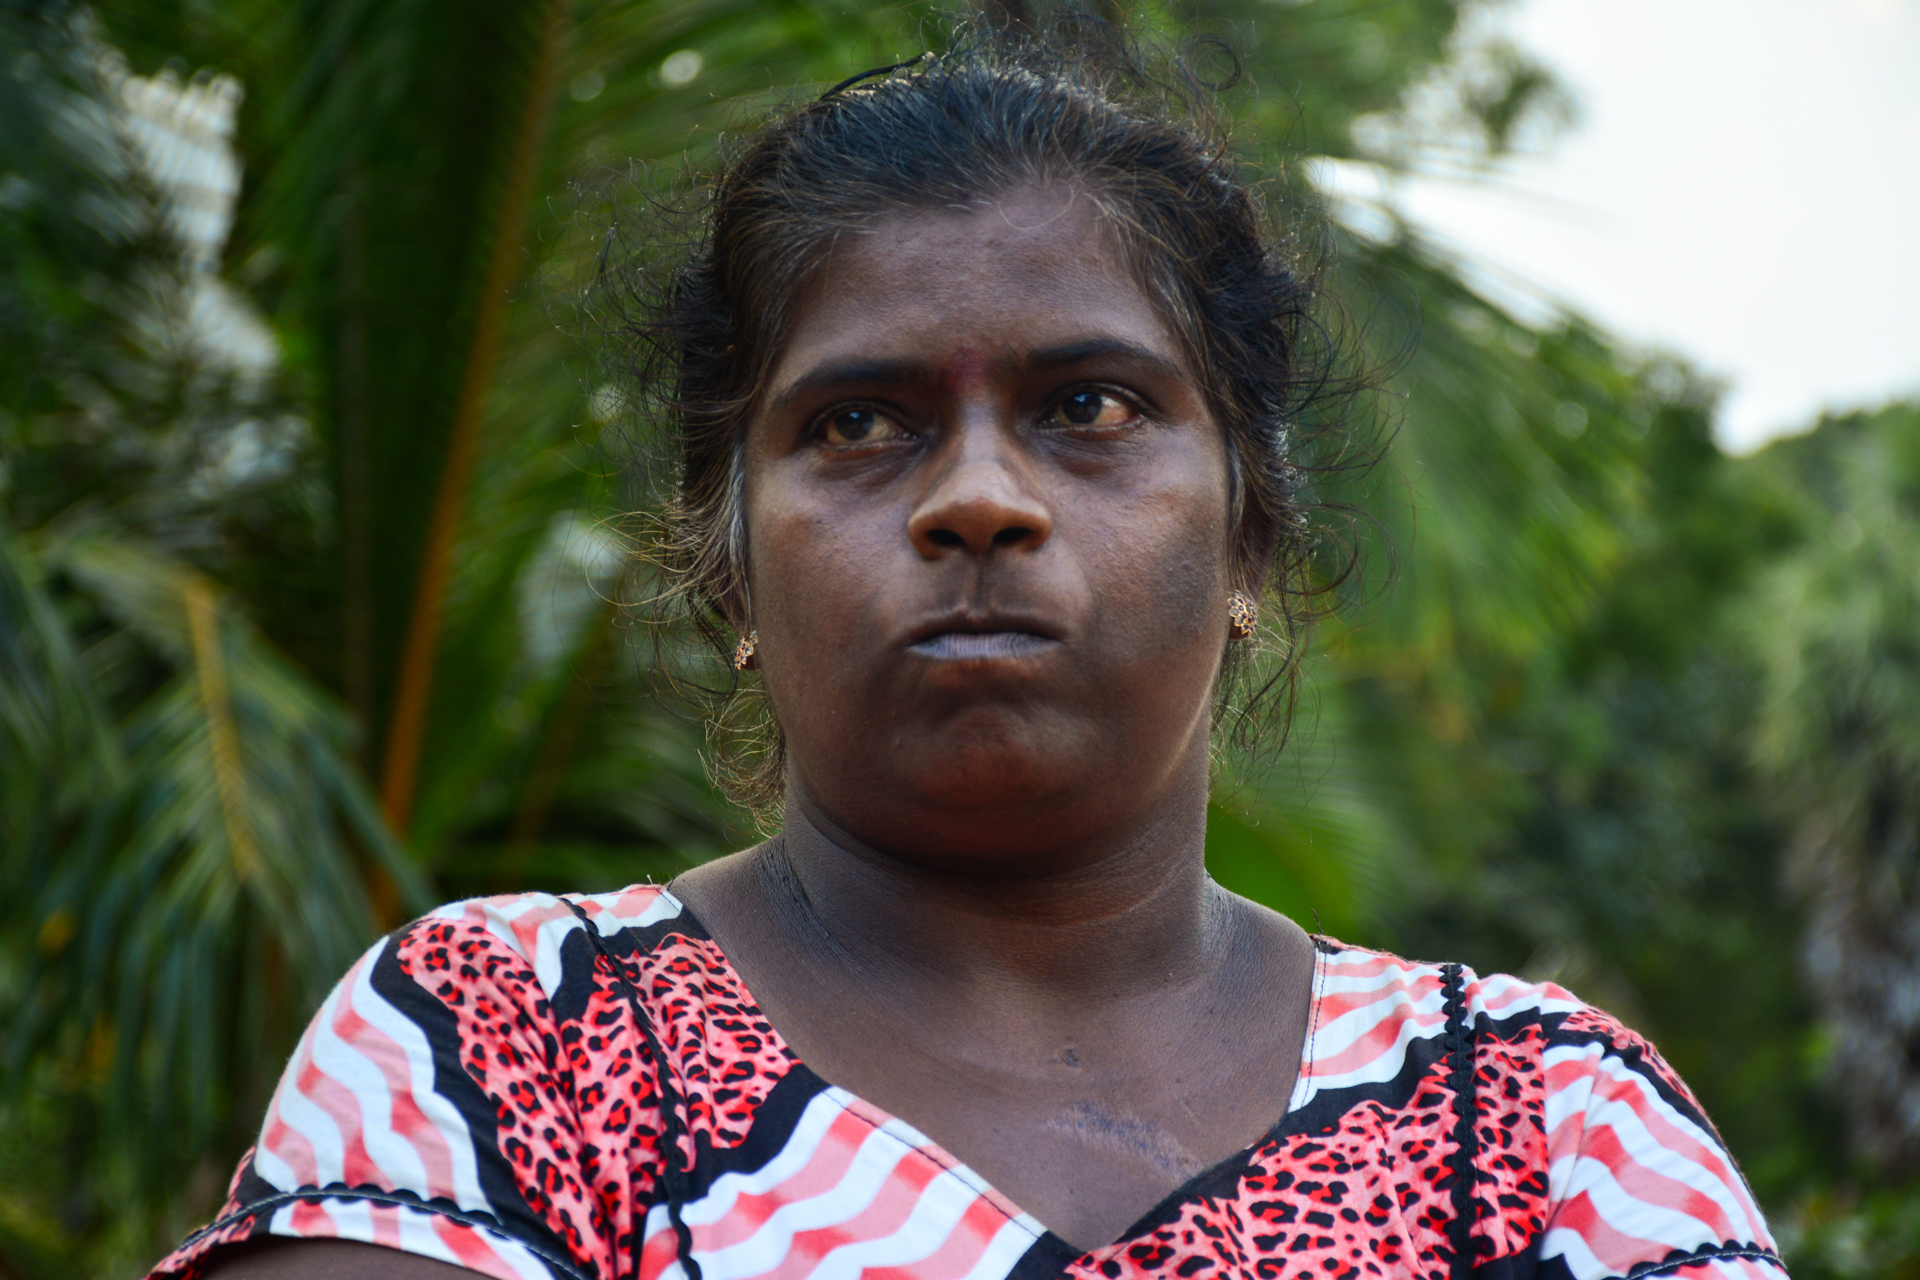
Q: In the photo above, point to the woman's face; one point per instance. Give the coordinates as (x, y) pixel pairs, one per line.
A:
(987, 541)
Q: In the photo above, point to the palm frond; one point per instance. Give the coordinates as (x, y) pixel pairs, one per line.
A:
(210, 893)
(54, 732)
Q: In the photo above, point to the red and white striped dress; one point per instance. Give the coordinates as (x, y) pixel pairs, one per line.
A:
(542, 1087)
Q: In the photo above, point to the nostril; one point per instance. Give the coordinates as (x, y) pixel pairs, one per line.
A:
(945, 538)
(1007, 537)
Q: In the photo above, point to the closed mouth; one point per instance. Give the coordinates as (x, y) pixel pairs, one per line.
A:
(982, 646)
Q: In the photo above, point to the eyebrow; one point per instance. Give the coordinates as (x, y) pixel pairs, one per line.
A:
(910, 372)
(1048, 359)
(885, 373)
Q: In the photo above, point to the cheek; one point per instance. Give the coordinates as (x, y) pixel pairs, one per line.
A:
(812, 573)
(1164, 563)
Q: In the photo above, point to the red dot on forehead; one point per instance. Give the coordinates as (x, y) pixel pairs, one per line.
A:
(965, 366)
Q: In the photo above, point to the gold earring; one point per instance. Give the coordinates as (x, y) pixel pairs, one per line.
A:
(1243, 615)
(743, 656)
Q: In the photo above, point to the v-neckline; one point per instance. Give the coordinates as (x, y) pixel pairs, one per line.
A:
(1188, 1190)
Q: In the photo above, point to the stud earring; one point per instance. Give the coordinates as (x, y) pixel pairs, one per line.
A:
(743, 656)
(1243, 615)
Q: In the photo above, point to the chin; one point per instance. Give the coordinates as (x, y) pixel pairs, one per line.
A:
(990, 782)
(971, 803)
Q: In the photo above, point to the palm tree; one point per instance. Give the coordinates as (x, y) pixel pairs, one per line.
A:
(181, 800)
(294, 643)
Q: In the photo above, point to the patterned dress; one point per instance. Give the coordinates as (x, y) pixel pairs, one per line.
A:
(542, 1087)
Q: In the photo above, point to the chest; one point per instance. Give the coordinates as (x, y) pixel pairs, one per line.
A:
(1086, 1137)
(737, 1155)
(848, 1180)
(784, 1170)
(772, 1159)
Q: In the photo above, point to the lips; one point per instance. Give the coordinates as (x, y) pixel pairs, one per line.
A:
(982, 638)
(982, 646)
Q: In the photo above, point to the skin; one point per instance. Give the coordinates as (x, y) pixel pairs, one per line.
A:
(989, 560)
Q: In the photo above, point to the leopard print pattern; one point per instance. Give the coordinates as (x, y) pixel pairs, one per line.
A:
(577, 1100)
(1510, 1191)
(1367, 1196)
(726, 1055)
(566, 1100)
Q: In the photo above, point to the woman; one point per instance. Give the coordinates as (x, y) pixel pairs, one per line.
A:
(982, 383)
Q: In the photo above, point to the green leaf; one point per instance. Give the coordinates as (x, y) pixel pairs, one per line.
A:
(215, 889)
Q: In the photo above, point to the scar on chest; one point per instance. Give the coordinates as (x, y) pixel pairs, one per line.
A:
(1099, 1125)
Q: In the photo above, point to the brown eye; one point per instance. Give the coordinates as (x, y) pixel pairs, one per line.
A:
(1095, 409)
(858, 426)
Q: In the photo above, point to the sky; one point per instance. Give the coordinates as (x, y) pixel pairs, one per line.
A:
(1742, 187)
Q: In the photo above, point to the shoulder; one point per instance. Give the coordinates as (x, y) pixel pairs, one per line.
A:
(473, 1013)
(480, 1075)
(1366, 998)
(1377, 1017)
(1585, 1142)
(536, 927)
(472, 967)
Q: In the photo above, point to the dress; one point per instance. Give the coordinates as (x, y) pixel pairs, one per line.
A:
(495, 1085)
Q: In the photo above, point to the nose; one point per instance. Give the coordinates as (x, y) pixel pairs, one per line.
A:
(981, 501)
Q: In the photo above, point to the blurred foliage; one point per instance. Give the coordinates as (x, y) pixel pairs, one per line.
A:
(312, 512)
(1850, 1236)
(1838, 630)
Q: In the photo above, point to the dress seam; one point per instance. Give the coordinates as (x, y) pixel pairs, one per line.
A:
(1460, 1047)
(1707, 1254)
(673, 1182)
(263, 1209)
(1309, 1084)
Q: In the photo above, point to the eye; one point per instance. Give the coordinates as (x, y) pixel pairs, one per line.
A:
(1095, 409)
(858, 426)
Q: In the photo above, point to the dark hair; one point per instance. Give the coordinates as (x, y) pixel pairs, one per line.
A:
(700, 335)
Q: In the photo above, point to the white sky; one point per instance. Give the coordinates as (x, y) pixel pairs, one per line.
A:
(1743, 187)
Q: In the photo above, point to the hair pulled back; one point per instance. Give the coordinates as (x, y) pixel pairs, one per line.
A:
(960, 130)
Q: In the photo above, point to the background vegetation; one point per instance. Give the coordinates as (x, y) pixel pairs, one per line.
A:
(307, 610)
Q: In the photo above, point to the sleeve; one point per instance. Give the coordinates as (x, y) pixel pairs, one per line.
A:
(427, 1108)
(1638, 1182)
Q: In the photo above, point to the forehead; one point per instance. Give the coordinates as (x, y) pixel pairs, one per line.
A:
(1026, 270)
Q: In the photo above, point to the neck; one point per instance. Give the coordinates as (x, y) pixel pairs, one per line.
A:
(1132, 917)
